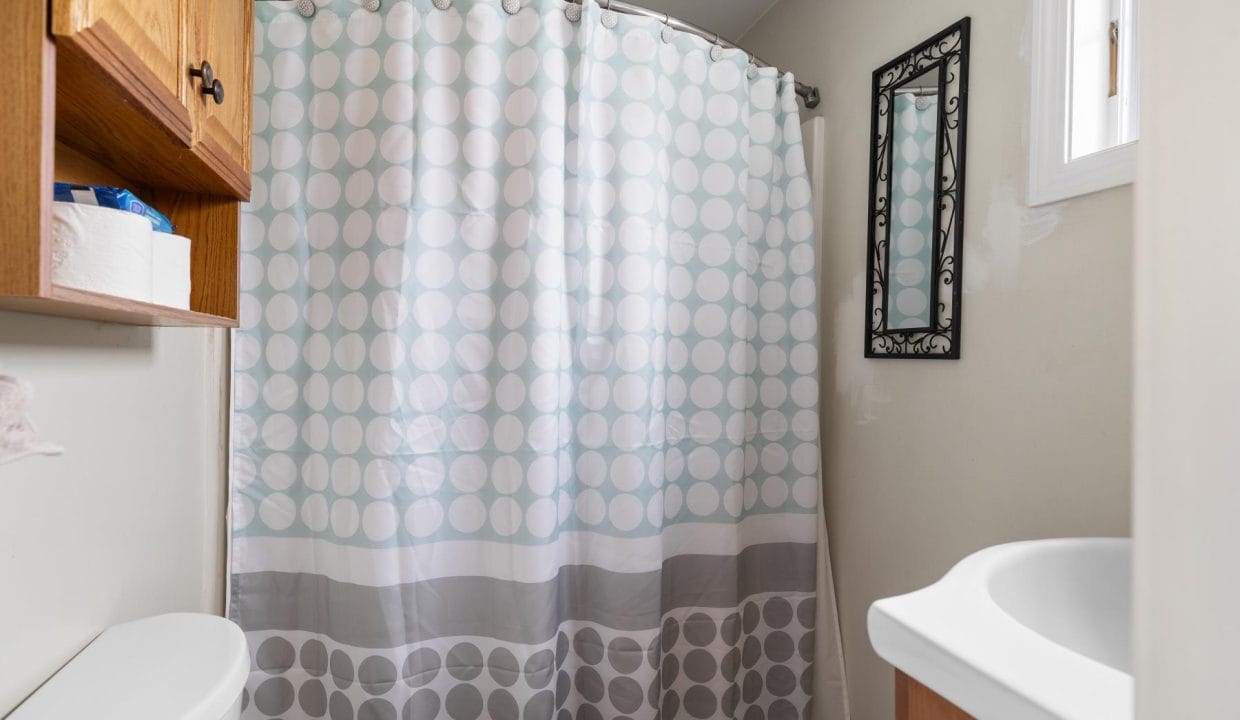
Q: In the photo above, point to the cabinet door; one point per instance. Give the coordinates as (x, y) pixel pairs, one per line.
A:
(139, 44)
(223, 36)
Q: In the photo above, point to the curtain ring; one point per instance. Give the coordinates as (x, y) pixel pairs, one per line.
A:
(572, 11)
(608, 17)
(442, 4)
(371, 5)
(305, 8)
(668, 33)
(512, 7)
(716, 50)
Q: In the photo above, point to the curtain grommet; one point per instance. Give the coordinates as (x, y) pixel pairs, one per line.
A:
(667, 34)
(372, 5)
(442, 4)
(512, 7)
(305, 8)
(572, 11)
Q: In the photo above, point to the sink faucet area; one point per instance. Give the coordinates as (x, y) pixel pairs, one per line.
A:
(1036, 630)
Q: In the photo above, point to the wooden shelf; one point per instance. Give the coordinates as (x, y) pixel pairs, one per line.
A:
(211, 223)
(74, 303)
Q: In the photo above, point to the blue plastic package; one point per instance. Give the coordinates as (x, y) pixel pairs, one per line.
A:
(110, 197)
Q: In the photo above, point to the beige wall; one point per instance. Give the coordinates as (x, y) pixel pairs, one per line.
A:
(1028, 435)
(129, 521)
(1187, 485)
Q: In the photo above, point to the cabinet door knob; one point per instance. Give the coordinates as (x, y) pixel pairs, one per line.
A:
(206, 72)
(215, 90)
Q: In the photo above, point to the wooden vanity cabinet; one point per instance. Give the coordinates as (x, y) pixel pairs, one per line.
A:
(915, 701)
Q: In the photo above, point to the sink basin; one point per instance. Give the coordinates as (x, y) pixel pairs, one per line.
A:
(1025, 631)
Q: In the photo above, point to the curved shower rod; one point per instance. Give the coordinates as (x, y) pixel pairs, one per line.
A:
(808, 93)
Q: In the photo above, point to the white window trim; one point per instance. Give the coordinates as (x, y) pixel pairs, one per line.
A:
(1052, 176)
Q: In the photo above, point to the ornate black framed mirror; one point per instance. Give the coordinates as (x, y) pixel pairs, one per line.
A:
(917, 162)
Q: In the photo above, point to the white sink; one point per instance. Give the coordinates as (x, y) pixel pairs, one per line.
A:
(1025, 631)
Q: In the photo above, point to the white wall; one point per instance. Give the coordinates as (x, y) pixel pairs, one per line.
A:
(130, 520)
(1187, 470)
(1028, 435)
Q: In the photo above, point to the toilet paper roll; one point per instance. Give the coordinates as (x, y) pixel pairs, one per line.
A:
(170, 278)
(101, 250)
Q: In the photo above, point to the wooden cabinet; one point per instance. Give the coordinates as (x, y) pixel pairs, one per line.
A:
(915, 701)
(101, 92)
(125, 80)
(142, 43)
(224, 128)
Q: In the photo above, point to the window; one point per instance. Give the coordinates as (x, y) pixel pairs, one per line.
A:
(1085, 106)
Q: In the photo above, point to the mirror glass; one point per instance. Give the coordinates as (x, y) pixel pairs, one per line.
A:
(914, 133)
(1102, 74)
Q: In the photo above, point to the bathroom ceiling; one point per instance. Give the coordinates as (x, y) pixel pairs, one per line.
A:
(729, 18)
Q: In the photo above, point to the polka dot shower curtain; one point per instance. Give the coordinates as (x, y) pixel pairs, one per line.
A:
(525, 410)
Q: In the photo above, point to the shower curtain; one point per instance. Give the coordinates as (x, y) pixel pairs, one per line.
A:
(525, 402)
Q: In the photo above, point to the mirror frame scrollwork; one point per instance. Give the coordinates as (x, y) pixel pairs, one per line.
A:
(948, 54)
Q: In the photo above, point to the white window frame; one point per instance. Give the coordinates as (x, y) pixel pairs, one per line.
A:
(1053, 175)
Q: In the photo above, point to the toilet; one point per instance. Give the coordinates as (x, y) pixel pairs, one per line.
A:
(182, 666)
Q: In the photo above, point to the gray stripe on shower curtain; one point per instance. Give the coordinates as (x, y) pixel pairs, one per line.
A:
(522, 612)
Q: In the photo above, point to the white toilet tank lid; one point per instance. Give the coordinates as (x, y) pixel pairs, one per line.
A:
(182, 666)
